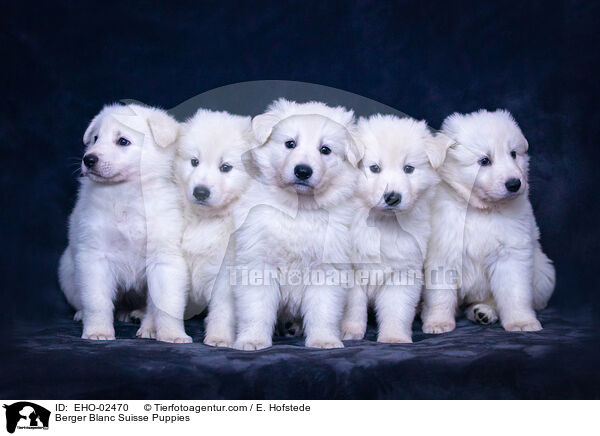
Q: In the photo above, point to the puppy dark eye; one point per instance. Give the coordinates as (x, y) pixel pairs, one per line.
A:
(513, 154)
(95, 139)
(325, 150)
(484, 162)
(290, 144)
(225, 168)
(375, 168)
(408, 169)
(123, 142)
(194, 162)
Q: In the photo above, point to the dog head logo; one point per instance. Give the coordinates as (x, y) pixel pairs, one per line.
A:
(26, 415)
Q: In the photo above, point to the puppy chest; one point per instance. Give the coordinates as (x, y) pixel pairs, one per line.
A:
(126, 236)
(382, 244)
(125, 221)
(204, 244)
(300, 239)
(487, 236)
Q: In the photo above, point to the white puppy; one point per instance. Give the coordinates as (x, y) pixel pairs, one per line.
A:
(484, 250)
(212, 177)
(125, 230)
(307, 161)
(391, 226)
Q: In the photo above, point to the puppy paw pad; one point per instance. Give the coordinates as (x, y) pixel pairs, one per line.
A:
(292, 329)
(484, 314)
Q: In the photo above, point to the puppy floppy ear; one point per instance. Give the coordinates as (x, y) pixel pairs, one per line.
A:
(87, 136)
(436, 147)
(262, 126)
(164, 128)
(355, 148)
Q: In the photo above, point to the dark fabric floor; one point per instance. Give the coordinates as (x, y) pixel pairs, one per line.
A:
(561, 361)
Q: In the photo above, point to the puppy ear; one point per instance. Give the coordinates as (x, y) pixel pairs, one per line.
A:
(87, 136)
(164, 128)
(436, 147)
(355, 149)
(262, 126)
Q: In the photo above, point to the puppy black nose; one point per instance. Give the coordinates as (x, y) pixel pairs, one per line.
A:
(392, 198)
(89, 160)
(513, 185)
(201, 193)
(303, 172)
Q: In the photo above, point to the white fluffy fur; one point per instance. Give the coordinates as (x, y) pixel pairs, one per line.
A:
(212, 139)
(295, 226)
(485, 233)
(391, 238)
(125, 229)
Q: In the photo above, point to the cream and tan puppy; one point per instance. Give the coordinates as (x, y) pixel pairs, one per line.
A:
(125, 230)
(307, 160)
(391, 226)
(484, 251)
(212, 178)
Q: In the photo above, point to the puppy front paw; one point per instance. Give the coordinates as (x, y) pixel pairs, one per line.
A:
(99, 334)
(78, 315)
(394, 339)
(218, 341)
(353, 331)
(146, 332)
(252, 344)
(324, 343)
(437, 327)
(173, 337)
(219, 334)
(529, 325)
